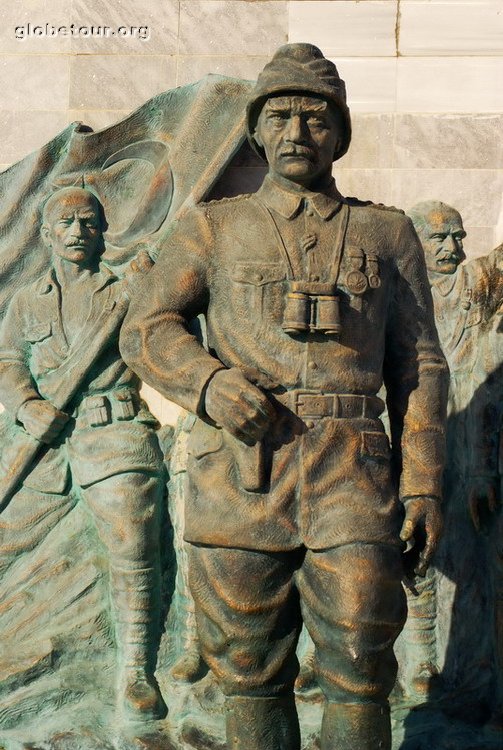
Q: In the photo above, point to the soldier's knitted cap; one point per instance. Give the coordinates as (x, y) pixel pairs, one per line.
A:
(295, 69)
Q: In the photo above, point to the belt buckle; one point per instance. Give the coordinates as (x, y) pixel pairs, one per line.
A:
(313, 405)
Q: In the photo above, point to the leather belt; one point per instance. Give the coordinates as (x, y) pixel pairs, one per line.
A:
(336, 405)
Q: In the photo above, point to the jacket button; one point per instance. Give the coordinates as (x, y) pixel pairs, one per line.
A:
(309, 424)
(257, 277)
(312, 365)
(309, 212)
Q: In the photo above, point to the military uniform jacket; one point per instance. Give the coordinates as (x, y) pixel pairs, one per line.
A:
(325, 481)
(467, 308)
(110, 430)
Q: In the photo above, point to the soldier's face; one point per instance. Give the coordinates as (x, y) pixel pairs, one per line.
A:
(442, 239)
(299, 135)
(72, 227)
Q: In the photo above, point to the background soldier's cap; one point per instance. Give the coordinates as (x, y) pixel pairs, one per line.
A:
(299, 68)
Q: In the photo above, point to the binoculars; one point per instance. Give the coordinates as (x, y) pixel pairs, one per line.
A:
(312, 307)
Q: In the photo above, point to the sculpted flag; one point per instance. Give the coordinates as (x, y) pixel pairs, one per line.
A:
(177, 149)
(165, 156)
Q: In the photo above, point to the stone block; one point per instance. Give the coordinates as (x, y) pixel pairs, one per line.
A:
(370, 83)
(365, 184)
(345, 28)
(23, 29)
(479, 241)
(194, 67)
(165, 411)
(372, 142)
(22, 134)
(140, 27)
(476, 193)
(449, 141)
(34, 82)
(232, 27)
(473, 27)
(449, 84)
(119, 81)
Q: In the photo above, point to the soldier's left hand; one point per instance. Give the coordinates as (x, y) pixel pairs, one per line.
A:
(423, 522)
(141, 263)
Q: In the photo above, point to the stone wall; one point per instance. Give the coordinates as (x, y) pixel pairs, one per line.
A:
(423, 77)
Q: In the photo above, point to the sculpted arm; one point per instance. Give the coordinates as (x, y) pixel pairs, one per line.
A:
(18, 391)
(156, 344)
(416, 379)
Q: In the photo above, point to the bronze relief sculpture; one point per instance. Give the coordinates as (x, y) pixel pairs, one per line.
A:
(281, 320)
(292, 508)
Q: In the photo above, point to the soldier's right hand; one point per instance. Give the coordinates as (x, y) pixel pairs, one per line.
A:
(41, 419)
(238, 406)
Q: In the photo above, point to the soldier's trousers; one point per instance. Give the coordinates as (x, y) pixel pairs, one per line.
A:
(250, 606)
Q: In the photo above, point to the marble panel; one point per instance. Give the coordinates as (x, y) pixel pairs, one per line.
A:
(22, 134)
(365, 184)
(451, 28)
(30, 27)
(345, 28)
(372, 142)
(449, 84)
(194, 67)
(140, 27)
(119, 81)
(449, 141)
(34, 82)
(476, 193)
(231, 27)
(370, 83)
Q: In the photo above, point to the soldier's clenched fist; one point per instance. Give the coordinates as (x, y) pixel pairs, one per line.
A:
(42, 420)
(238, 406)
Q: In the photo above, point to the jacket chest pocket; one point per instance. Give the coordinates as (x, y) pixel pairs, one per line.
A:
(259, 285)
(42, 355)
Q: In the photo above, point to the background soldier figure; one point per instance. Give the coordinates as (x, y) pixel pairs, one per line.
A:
(467, 298)
(291, 503)
(104, 444)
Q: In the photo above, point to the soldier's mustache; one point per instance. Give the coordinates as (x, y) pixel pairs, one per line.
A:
(298, 151)
(76, 243)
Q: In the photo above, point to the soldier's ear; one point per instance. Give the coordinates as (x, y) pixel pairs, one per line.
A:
(44, 231)
(258, 140)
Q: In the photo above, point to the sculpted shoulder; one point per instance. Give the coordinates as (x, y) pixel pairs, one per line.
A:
(378, 218)
(226, 206)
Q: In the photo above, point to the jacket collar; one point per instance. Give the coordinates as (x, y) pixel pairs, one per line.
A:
(445, 284)
(103, 277)
(286, 200)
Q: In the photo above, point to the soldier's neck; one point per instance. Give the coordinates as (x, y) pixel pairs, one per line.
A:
(68, 274)
(320, 185)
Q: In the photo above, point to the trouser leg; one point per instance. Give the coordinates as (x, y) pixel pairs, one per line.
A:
(354, 608)
(248, 619)
(126, 508)
(417, 646)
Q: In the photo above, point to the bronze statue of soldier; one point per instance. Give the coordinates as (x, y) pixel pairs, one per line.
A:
(103, 444)
(293, 512)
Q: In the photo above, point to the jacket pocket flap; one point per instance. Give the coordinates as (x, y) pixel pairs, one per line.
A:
(203, 439)
(258, 273)
(375, 445)
(38, 332)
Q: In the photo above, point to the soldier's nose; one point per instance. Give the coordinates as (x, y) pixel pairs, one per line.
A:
(294, 132)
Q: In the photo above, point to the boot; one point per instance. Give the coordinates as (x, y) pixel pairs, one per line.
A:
(355, 726)
(135, 594)
(262, 723)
